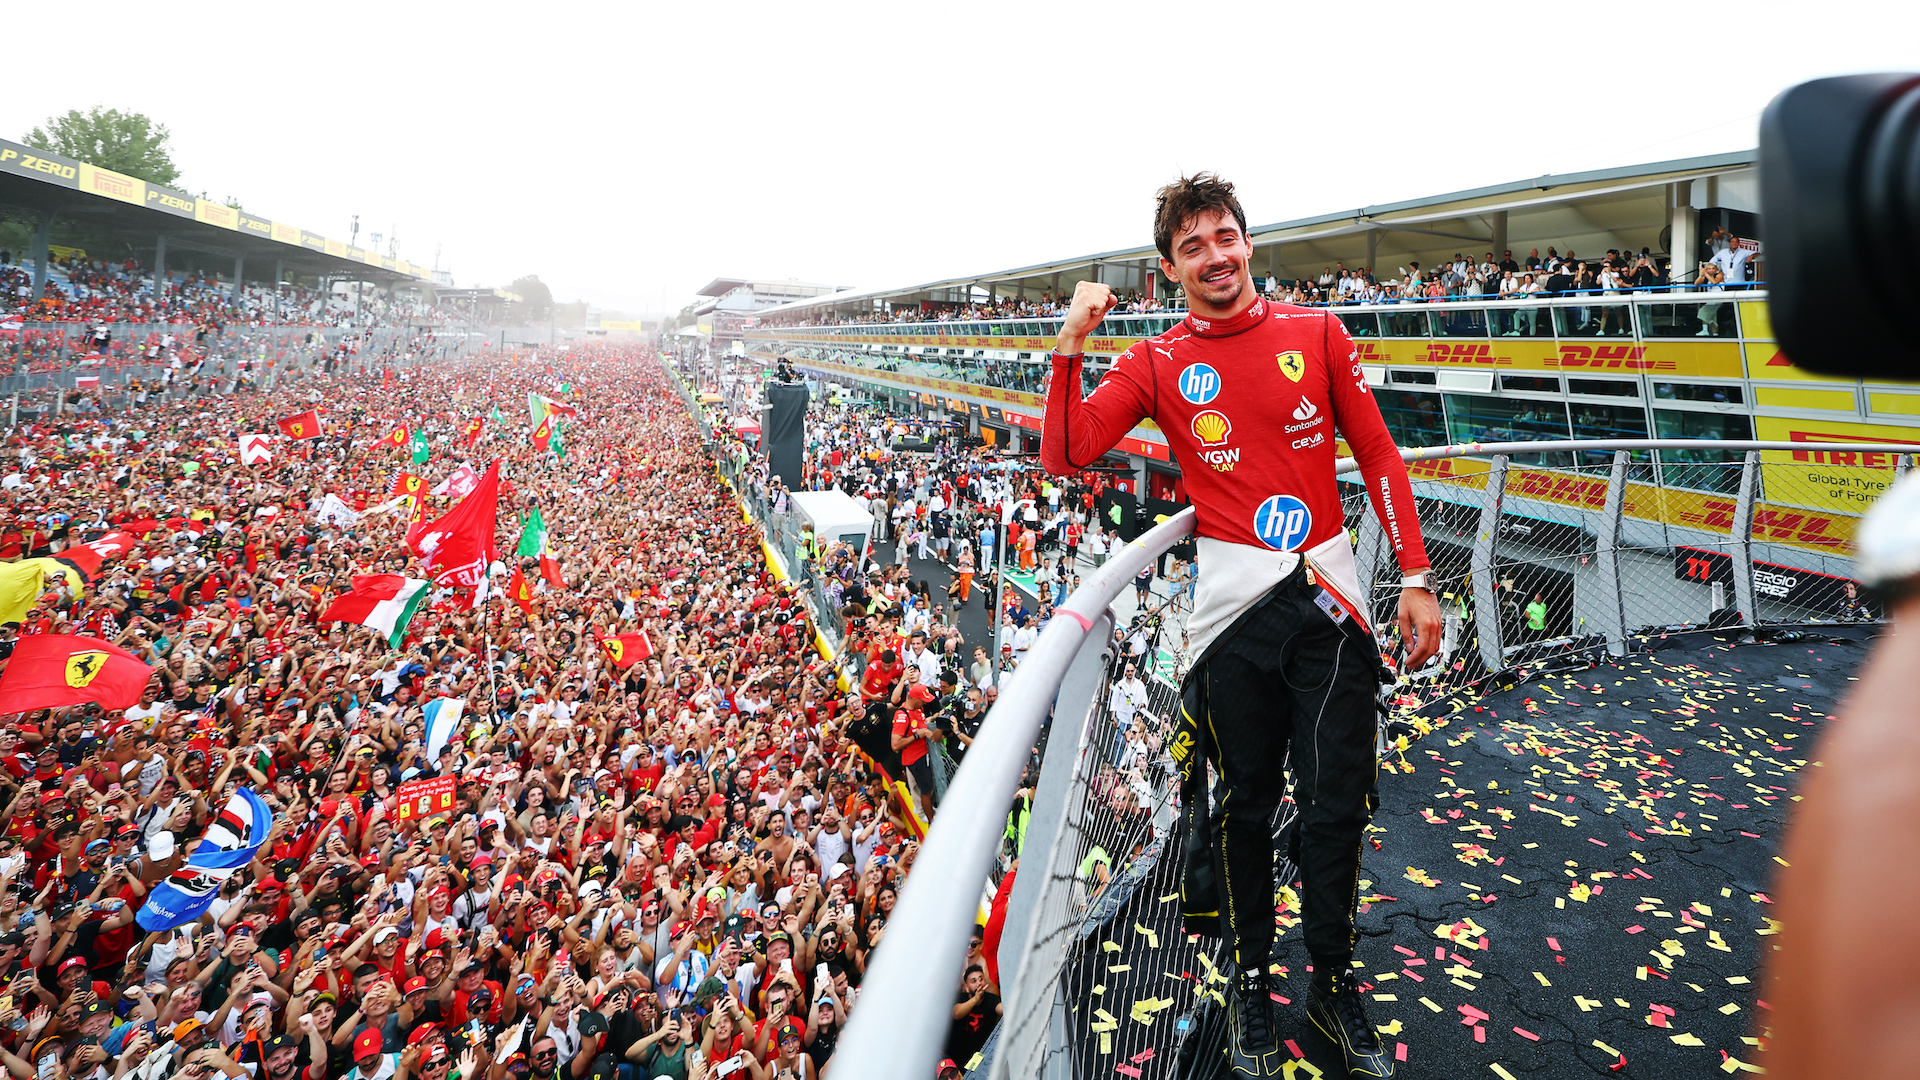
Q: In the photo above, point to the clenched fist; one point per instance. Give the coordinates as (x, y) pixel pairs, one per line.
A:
(1091, 302)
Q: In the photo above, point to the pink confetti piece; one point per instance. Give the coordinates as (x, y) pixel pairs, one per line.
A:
(1479, 1034)
(1591, 840)
(1294, 1049)
(1127, 1070)
(1525, 1034)
(1635, 929)
(1144, 1055)
(1399, 1051)
(1554, 944)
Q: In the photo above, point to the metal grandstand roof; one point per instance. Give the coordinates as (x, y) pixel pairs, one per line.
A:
(1617, 206)
(721, 286)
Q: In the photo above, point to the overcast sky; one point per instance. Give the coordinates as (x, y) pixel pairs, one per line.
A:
(628, 154)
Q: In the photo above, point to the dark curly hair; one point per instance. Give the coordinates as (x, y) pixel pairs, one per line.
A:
(1177, 204)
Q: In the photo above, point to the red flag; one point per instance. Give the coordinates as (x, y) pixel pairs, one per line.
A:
(398, 436)
(626, 650)
(87, 557)
(51, 670)
(408, 484)
(454, 549)
(543, 433)
(474, 427)
(520, 591)
(304, 425)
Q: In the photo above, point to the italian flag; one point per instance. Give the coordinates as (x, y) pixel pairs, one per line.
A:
(385, 602)
(540, 406)
(533, 542)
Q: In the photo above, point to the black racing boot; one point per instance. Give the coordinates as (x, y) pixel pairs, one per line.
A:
(1341, 1016)
(1252, 1045)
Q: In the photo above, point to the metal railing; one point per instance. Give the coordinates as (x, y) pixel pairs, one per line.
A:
(1533, 564)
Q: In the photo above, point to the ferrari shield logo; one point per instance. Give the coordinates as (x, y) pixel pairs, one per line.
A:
(1292, 365)
(83, 666)
(298, 429)
(616, 649)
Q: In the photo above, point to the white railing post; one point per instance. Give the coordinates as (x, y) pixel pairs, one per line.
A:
(1486, 585)
(1742, 549)
(1059, 807)
(1613, 612)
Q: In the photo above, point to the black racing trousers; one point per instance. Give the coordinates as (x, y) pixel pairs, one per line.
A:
(1291, 685)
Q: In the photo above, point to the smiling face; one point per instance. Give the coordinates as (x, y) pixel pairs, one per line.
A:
(1211, 260)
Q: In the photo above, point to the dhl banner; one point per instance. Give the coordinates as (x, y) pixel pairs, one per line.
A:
(1828, 530)
(1701, 359)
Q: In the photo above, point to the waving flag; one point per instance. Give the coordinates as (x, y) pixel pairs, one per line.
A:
(11, 324)
(626, 650)
(304, 425)
(443, 715)
(384, 602)
(534, 543)
(455, 548)
(543, 433)
(255, 449)
(409, 484)
(50, 670)
(474, 427)
(519, 591)
(539, 407)
(230, 842)
(421, 451)
(87, 557)
(398, 437)
(459, 483)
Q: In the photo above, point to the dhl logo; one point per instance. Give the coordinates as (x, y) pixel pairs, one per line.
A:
(1463, 353)
(1616, 357)
(1584, 491)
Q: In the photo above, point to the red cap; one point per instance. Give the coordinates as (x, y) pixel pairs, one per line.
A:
(920, 693)
(419, 1034)
(366, 1044)
(418, 982)
(70, 962)
(434, 939)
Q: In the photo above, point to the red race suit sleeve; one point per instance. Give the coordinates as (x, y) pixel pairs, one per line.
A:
(1357, 416)
(1076, 432)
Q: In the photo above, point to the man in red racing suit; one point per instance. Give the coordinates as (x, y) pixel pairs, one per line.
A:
(1250, 396)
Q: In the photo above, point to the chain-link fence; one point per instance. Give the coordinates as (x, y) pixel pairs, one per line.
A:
(1541, 554)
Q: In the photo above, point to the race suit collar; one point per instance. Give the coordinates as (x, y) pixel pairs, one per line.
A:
(1248, 318)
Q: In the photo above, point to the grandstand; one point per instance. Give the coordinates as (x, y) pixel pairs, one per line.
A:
(1640, 453)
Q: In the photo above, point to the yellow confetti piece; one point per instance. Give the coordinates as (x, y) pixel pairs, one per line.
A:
(1105, 1017)
(1686, 1039)
(1542, 978)
(1604, 1048)
(1587, 1004)
(1513, 879)
(1386, 997)
(1153, 936)
(1106, 1042)
(1429, 1004)
(1118, 968)
(1463, 984)
(1738, 980)
(1389, 1029)
(1110, 946)
(1622, 1002)
(1730, 1008)
(1500, 1072)
(1781, 861)
(1100, 989)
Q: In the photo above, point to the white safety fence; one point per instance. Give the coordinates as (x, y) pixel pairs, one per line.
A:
(1542, 552)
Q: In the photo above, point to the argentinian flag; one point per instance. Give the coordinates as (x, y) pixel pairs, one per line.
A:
(230, 842)
(443, 715)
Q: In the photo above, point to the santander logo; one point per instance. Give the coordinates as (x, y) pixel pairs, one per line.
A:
(1306, 410)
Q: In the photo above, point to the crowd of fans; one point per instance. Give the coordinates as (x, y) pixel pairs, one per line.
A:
(1490, 277)
(674, 868)
(94, 291)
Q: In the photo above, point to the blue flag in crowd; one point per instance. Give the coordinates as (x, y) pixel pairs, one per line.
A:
(230, 843)
(443, 715)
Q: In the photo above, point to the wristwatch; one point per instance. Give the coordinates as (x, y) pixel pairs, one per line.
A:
(1416, 581)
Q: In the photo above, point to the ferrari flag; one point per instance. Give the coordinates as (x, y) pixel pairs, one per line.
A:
(230, 842)
(626, 650)
(304, 425)
(51, 670)
(456, 548)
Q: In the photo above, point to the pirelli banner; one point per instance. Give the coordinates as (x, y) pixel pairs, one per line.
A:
(47, 168)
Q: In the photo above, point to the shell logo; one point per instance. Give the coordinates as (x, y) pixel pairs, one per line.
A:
(1212, 428)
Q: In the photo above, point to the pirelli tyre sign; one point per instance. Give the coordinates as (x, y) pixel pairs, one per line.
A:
(39, 165)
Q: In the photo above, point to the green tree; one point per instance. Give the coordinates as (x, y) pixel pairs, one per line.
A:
(534, 293)
(127, 143)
